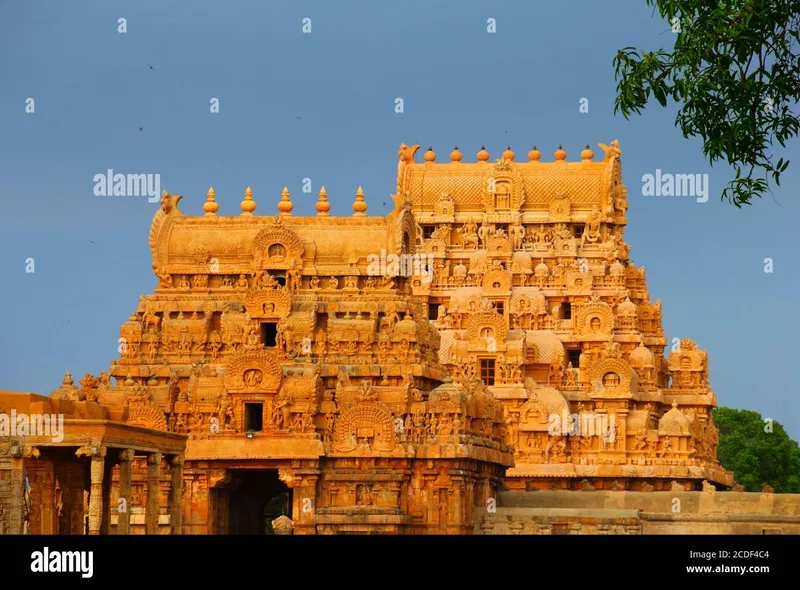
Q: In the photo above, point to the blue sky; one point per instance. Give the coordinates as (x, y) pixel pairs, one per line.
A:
(321, 106)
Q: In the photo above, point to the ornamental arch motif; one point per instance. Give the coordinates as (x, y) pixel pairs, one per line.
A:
(371, 421)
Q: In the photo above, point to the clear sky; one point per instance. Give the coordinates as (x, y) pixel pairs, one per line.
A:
(321, 105)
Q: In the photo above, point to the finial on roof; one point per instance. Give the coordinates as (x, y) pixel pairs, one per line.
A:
(560, 154)
(587, 154)
(67, 379)
(211, 205)
(323, 206)
(430, 155)
(456, 155)
(483, 155)
(285, 205)
(534, 155)
(508, 154)
(359, 206)
(248, 205)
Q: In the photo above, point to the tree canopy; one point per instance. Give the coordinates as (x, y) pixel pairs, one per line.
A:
(758, 451)
(734, 71)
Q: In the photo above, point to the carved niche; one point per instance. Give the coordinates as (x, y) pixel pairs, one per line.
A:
(444, 206)
(613, 376)
(369, 423)
(503, 189)
(496, 281)
(483, 327)
(596, 317)
(253, 371)
(277, 247)
(560, 208)
(268, 303)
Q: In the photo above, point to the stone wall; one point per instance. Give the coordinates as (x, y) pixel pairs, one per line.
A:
(648, 513)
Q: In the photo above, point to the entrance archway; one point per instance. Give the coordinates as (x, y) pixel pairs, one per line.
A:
(257, 497)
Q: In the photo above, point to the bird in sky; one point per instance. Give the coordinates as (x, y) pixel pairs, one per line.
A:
(141, 128)
(151, 67)
(91, 241)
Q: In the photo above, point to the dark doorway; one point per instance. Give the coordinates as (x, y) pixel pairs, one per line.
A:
(253, 417)
(269, 333)
(258, 497)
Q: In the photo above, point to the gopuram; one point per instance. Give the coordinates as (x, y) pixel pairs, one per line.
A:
(343, 375)
(300, 374)
(534, 294)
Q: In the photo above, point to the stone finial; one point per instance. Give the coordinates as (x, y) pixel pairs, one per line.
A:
(483, 155)
(211, 205)
(534, 155)
(359, 206)
(67, 380)
(560, 154)
(508, 154)
(248, 205)
(323, 206)
(285, 205)
(430, 155)
(456, 155)
(587, 154)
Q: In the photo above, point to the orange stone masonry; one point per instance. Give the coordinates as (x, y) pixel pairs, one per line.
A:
(315, 394)
(533, 293)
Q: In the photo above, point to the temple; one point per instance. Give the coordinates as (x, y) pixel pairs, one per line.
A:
(339, 375)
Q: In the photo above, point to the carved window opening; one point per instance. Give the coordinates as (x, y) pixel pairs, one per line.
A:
(279, 277)
(433, 311)
(253, 417)
(500, 307)
(502, 227)
(269, 333)
(216, 321)
(577, 231)
(566, 311)
(487, 371)
(611, 380)
(574, 357)
(427, 232)
(496, 285)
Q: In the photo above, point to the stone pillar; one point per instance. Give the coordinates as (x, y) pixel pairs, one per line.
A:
(153, 492)
(125, 475)
(15, 515)
(105, 524)
(176, 496)
(97, 471)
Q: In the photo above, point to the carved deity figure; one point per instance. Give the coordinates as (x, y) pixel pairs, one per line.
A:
(517, 233)
(485, 232)
(470, 236)
(591, 231)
